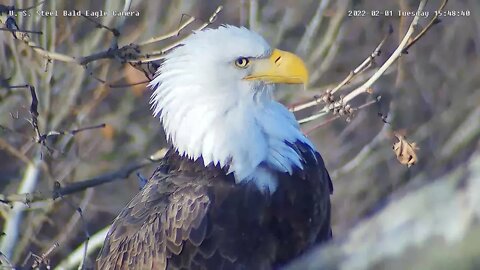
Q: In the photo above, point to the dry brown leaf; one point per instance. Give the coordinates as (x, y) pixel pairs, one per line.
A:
(405, 151)
(108, 132)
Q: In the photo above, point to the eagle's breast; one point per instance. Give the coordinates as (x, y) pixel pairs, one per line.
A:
(190, 216)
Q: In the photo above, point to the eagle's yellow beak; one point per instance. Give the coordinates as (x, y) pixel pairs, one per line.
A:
(280, 67)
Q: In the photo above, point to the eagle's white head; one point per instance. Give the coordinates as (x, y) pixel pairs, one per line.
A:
(213, 95)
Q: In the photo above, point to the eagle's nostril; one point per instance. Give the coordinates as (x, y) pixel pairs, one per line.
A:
(278, 59)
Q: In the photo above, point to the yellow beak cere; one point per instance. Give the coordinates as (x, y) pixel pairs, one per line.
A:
(280, 67)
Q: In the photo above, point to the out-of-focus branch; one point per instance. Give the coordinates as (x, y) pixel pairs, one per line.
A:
(363, 153)
(432, 22)
(7, 9)
(334, 105)
(331, 33)
(13, 151)
(312, 27)
(47, 54)
(4, 262)
(157, 55)
(365, 64)
(252, 14)
(12, 223)
(34, 114)
(59, 191)
(76, 257)
(132, 52)
(41, 138)
(33, 261)
(396, 54)
(173, 33)
(114, 31)
(21, 31)
(354, 73)
(338, 115)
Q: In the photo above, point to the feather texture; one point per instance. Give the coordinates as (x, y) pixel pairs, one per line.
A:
(208, 110)
(189, 216)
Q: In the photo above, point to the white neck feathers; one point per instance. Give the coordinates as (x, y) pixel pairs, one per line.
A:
(208, 113)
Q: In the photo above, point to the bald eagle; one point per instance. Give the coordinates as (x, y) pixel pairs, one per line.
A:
(241, 187)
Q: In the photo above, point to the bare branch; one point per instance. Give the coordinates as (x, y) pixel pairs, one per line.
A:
(34, 113)
(128, 84)
(114, 31)
(354, 73)
(432, 22)
(43, 259)
(4, 262)
(13, 151)
(7, 9)
(338, 115)
(396, 54)
(59, 191)
(173, 33)
(160, 54)
(21, 31)
(333, 105)
(47, 54)
(365, 64)
(132, 53)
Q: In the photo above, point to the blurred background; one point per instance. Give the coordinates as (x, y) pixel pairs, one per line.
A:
(385, 215)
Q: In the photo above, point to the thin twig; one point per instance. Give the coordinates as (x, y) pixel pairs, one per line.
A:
(362, 154)
(128, 84)
(396, 54)
(302, 106)
(252, 14)
(328, 121)
(131, 52)
(4, 262)
(333, 105)
(312, 28)
(114, 31)
(47, 54)
(365, 64)
(173, 33)
(34, 113)
(41, 138)
(432, 22)
(59, 191)
(75, 257)
(21, 31)
(366, 87)
(324, 123)
(12, 222)
(7, 9)
(85, 230)
(43, 259)
(354, 73)
(331, 32)
(68, 228)
(13, 151)
(160, 54)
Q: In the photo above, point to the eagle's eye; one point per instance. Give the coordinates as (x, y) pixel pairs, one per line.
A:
(242, 62)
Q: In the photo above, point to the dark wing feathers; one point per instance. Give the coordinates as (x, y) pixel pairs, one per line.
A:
(154, 226)
(198, 218)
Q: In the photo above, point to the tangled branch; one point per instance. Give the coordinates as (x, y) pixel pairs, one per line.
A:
(340, 106)
(59, 191)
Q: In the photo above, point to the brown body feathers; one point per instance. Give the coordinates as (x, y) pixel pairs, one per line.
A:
(189, 216)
